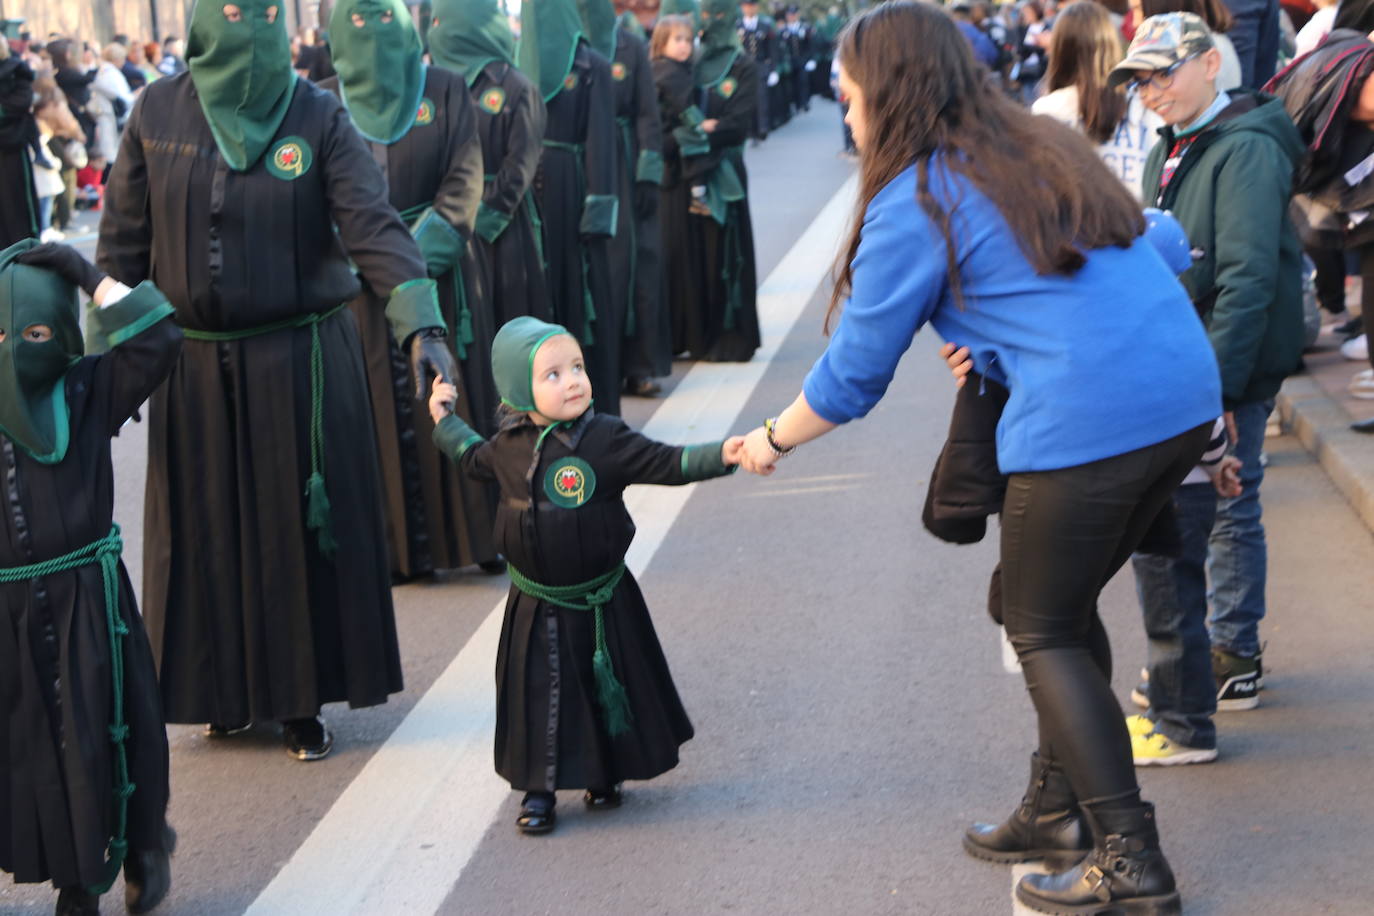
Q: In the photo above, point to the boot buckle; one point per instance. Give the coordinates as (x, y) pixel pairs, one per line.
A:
(1096, 880)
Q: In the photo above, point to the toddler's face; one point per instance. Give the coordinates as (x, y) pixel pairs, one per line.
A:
(679, 47)
(561, 388)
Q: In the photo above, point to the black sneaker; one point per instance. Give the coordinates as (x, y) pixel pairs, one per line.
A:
(221, 730)
(1237, 679)
(307, 739)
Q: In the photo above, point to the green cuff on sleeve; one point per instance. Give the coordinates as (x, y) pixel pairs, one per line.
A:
(702, 462)
(454, 437)
(599, 214)
(414, 305)
(491, 222)
(692, 116)
(142, 308)
(692, 141)
(650, 167)
(439, 242)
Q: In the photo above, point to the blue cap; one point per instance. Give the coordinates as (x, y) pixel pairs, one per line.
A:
(1168, 238)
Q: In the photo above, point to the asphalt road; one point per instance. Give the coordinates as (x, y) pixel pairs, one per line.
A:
(851, 708)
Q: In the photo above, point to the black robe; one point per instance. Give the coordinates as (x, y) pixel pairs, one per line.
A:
(509, 242)
(577, 184)
(435, 518)
(684, 272)
(248, 619)
(634, 252)
(550, 732)
(18, 137)
(56, 757)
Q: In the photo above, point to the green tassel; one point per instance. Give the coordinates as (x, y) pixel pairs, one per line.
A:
(610, 693)
(317, 514)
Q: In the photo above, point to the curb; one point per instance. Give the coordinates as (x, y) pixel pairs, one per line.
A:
(1323, 427)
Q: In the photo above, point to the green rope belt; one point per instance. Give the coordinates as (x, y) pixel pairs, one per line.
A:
(317, 513)
(532, 208)
(106, 552)
(589, 596)
(588, 306)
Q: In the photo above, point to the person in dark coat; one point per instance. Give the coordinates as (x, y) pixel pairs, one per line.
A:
(473, 39)
(244, 192)
(18, 137)
(83, 751)
(577, 184)
(74, 82)
(420, 124)
(584, 699)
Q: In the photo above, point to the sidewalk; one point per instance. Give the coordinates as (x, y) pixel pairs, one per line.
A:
(1315, 407)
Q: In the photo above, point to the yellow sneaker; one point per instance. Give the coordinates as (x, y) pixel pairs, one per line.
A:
(1139, 726)
(1156, 750)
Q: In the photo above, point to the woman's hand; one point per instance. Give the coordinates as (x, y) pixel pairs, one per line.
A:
(756, 456)
(959, 362)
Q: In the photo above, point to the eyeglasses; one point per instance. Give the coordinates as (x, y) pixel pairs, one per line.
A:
(1159, 80)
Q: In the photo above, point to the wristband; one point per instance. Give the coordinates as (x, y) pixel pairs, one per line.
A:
(769, 426)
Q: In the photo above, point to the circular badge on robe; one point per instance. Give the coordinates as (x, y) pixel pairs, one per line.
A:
(618, 72)
(570, 81)
(493, 100)
(290, 158)
(570, 482)
(426, 113)
(728, 86)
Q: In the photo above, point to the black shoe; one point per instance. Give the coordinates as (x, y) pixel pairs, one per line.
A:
(1352, 328)
(77, 901)
(220, 730)
(307, 739)
(148, 874)
(493, 567)
(1047, 825)
(602, 799)
(536, 813)
(642, 387)
(1238, 680)
(1363, 426)
(1124, 874)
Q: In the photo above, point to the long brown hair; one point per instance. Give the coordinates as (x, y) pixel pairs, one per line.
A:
(1085, 48)
(924, 95)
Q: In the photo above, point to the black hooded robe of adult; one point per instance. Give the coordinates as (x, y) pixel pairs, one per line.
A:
(248, 619)
(18, 135)
(435, 517)
(634, 251)
(550, 730)
(577, 187)
(509, 245)
(56, 757)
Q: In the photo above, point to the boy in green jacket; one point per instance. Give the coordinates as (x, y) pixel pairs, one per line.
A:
(1223, 168)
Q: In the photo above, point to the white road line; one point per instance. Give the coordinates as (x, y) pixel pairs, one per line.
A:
(400, 835)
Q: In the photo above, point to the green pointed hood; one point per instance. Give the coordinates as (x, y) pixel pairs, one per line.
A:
(720, 43)
(376, 52)
(682, 8)
(630, 23)
(466, 35)
(598, 24)
(512, 358)
(549, 33)
(242, 74)
(33, 401)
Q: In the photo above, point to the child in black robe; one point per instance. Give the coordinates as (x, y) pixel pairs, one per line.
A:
(583, 694)
(80, 714)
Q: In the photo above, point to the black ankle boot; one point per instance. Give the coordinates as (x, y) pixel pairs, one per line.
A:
(1046, 826)
(148, 874)
(1124, 874)
(77, 901)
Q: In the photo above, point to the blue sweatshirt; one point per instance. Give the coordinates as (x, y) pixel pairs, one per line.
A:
(1108, 360)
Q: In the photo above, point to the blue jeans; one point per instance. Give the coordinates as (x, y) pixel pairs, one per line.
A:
(1173, 600)
(1255, 35)
(1240, 560)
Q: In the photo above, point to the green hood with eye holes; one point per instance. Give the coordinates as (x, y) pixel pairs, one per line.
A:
(381, 73)
(33, 403)
(466, 35)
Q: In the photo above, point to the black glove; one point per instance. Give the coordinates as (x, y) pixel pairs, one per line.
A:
(430, 356)
(646, 199)
(66, 262)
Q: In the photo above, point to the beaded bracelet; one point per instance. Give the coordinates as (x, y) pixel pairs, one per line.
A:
(769, 426)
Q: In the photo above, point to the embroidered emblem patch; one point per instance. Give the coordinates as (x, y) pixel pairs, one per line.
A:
(570, 81)
(618, 72)
(290, 158)
(426, 113)
(570, 482)
(728, 86)
(493, 100)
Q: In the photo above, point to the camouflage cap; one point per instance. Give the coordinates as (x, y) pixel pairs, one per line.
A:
(1162, 41)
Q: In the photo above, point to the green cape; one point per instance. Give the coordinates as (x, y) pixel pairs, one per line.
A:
(33, 396)
(242, 74)
(720, 44)
(599, 25)
(549, 33)
(380, 66)
(466, 35)
(512, 358)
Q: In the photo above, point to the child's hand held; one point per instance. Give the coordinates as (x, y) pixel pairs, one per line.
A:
(732, 450)
(443, 396)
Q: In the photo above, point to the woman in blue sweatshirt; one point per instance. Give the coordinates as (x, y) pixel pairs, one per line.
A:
(1007, 234)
